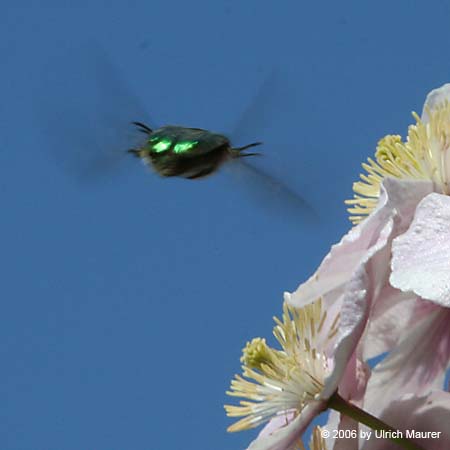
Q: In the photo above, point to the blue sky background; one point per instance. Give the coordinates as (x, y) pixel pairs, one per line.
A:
(126, 298)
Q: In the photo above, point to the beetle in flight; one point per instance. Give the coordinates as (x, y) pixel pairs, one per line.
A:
(99, 134)
(176, 151)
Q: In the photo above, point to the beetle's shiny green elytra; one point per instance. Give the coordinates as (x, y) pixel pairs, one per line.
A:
(175, 151)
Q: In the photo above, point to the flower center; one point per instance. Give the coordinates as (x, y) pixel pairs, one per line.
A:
(424, 156)
(284, 380)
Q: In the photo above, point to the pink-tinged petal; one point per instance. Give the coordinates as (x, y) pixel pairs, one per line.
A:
(332, 424)
(429, 413)
(404, 196)
(279, 421)
(286, 437)
(340, 264)
(390, 316)
(352, 388)
(354, 382)
(355, 303)
(417, 364)
(398, 199)
(421, 256)
(354, 312)
(361, 281)
(337, 421)
(435, 98)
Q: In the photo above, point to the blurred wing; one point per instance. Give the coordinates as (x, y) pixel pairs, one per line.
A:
(259, 113)
(271, 99)
(89, 123)
(272, 194)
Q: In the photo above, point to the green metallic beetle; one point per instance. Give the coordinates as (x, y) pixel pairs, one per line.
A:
(176, 151)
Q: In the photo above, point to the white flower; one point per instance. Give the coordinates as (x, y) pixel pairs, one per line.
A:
(398, 255)
(290, 386)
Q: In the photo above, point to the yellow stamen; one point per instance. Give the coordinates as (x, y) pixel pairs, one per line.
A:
(424, 156)
(282, 381)
(317, 442)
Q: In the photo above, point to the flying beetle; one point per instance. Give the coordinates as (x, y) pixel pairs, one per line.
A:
(176, 151)
(192, 153)
(95, 134)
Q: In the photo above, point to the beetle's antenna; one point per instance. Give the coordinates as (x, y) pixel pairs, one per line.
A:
(134, 152)
(241, 155)
(142, 127)
(238, 150)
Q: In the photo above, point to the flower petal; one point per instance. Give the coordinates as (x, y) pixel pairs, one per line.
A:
(417, 364)
(339, 265)
(435, 98)
(286, 437)
(354, 312)
(398, 199)
(279, 421)
(353, 274)
(390, 316)
(352, 387)
(421, 256)
(337, 421)
(429, 413)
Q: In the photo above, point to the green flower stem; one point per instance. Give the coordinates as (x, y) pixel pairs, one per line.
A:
(337, 403)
